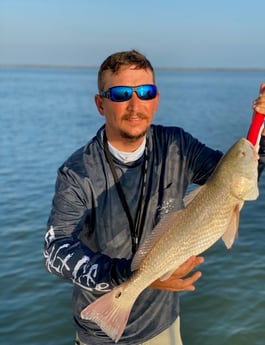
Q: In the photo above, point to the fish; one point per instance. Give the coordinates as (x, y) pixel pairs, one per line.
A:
(211, 212)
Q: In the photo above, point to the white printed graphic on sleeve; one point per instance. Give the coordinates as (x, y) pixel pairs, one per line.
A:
(84, 273)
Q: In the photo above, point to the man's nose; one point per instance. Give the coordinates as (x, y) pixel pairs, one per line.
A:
(133, 102)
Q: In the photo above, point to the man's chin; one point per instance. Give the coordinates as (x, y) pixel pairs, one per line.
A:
(132, 137)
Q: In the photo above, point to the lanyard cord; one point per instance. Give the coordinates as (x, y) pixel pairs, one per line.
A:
(135, 227)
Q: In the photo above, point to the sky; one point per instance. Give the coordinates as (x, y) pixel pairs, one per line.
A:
(171, 33)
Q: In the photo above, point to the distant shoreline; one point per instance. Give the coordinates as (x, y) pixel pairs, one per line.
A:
(177, 69)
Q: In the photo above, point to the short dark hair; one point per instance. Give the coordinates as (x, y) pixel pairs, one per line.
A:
(126, 58)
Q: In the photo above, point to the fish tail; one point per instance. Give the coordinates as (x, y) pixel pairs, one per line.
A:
(110, 312)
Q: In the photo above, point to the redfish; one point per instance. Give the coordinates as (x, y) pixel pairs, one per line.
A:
(211, 212)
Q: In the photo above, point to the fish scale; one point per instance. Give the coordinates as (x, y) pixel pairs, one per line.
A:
(192, 244)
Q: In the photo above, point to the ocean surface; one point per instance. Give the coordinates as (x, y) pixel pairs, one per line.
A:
(45, 115)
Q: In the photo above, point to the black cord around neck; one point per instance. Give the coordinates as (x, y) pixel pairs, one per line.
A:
(137, 225)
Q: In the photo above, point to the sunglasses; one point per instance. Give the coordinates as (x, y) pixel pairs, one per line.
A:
(124, 93)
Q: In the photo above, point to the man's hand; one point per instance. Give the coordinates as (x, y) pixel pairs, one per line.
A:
(259, 103)
(177, 282)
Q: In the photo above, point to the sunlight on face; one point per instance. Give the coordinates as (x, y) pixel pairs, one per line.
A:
(127, 122)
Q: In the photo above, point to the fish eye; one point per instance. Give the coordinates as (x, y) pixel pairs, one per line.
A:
(242, 153)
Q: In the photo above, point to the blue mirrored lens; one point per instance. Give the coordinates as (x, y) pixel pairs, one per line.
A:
(120, 93)
(124, 93)
(146, 92)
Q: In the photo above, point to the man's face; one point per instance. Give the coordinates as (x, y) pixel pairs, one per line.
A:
(128, 120)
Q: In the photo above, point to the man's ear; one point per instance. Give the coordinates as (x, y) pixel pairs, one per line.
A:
(99, 104)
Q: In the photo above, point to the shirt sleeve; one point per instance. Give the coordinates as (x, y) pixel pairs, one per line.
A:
(204, 160)
(201, 159)
(65, 255)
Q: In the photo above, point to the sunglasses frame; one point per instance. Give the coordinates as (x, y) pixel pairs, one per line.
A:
(107, 93)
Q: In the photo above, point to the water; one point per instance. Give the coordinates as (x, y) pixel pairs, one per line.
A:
(45, 115)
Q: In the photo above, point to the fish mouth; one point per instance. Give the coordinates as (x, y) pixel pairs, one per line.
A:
(255, 152)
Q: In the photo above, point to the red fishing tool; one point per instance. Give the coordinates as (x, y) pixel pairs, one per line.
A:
(255, 127)
(257, 123)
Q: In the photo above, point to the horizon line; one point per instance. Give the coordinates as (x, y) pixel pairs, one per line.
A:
(169, 68)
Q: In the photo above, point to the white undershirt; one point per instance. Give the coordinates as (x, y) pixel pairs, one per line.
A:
(127, 157)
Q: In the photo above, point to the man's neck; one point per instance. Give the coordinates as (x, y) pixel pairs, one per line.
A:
(125, 144)
(125, 156)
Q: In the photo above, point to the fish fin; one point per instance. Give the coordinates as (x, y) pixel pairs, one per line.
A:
(110, 312)
(167, 275)
(189, 197)
(249, 187)
(232, 230)
(150, 240)
(253, 192)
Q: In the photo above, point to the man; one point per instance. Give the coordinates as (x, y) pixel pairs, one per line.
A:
(111, 193)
